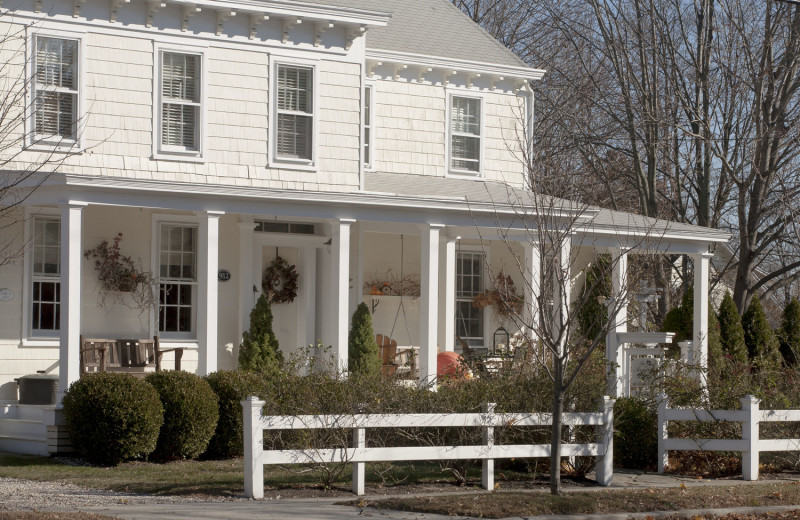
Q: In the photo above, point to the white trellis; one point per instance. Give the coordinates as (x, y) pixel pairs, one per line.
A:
(255, 457)
(749, 445)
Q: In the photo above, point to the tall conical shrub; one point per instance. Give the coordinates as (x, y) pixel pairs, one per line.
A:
(680, 319)
(259, 350)
(363, 353)
(790, 333)
(762, 344)
(731, 331)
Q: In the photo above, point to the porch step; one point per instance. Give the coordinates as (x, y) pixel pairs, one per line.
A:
(24, 445)
(23, 428)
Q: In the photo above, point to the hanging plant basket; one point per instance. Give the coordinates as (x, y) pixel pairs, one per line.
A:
(280, 281)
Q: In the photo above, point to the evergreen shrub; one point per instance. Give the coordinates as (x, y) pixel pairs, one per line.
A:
(259, 350)
(231, 388)
(190, 414)
(363, 353)
(635, 434)
(762, 344)
(731, 331)
(790, 333)
(112, 417)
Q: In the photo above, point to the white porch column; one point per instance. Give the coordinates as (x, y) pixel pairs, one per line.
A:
(563, 290)
(447, 330)
(429, 304)
(307, 302)
(246, 242)
(208, 292)
(618, 318)
(70, 305)
(338, 304)
(532, 276)
(701, 290)
(356, 268)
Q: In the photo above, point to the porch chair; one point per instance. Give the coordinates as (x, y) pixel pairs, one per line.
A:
(391, 360)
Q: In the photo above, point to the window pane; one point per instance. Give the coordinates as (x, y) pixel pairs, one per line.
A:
(178, 125)
(294, 89)
(179, 76)
(56, 62)
(294, 136)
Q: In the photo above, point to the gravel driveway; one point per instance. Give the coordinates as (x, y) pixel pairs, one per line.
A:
(26, 495)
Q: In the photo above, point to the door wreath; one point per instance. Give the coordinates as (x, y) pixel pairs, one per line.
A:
(280, 281)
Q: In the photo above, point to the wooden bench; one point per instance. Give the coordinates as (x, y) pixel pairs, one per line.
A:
(124, 355)
(392, 360)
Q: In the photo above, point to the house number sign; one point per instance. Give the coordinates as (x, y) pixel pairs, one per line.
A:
(223, 275)
(6, 295)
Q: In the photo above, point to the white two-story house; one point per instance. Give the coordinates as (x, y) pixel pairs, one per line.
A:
(360, 140)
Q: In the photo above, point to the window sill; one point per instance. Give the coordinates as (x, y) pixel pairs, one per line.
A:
(41, 343)
(192, 157)
(291, 164)
(478, 176)
(72, 148)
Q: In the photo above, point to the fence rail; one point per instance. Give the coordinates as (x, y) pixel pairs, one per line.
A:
(749, 445)
(359, 454)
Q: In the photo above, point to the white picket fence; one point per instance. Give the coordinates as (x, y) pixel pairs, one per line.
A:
(255, 457)
(749, 445)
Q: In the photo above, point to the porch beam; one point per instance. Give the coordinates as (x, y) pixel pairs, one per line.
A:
(700, 333)
(429, 304)
(70, 304)
(338, 304)
(208, 292)
(618, 319)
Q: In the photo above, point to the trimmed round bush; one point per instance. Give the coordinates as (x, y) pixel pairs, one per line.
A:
(635, 434)
(112, 417)
(190, 414)
(232, 387)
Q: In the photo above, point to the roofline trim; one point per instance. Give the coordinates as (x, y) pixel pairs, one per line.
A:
(439, 62)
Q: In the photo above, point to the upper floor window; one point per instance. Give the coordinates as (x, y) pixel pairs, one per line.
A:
(45, 298)
(295, 112)
(180, 102)
(465, 135)
(55, 89)
(177, 287)
(367, 126)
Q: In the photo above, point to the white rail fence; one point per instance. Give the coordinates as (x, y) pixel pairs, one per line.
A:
(749, 445)
(255, 457)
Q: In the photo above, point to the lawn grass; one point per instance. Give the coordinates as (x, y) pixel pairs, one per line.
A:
(512, 503)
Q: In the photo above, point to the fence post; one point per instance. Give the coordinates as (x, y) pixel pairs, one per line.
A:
(750, 434)
(487, 465)
(359, 468)
(663, 454)
(253, 448)
(604, 471)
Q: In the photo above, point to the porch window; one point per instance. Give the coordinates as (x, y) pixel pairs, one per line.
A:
(177, 300)
(55, 88)
(180, 102)
(469, 283)
(465, 135)
(46, 277)
(295, 115)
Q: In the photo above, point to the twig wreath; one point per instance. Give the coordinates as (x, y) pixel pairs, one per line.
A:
(280, 281)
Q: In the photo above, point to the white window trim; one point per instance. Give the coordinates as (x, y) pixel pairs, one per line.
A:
(28, 338)
(175, 154)
(369, 166)
(487, 311)
(449, 171)
(33, 141)
(181, 338)
(288, 163)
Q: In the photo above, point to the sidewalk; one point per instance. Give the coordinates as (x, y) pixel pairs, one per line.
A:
(326, 508)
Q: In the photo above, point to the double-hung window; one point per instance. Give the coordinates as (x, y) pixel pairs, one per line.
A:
(465, 135)
(177, 288)
(55, 89)
(180, 102)
(46, 277)
(295, 112)
(469, 284)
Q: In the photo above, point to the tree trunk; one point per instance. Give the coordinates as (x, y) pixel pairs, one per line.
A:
(555, 439)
